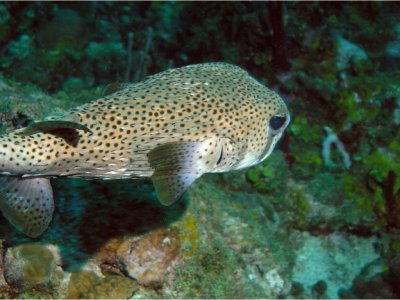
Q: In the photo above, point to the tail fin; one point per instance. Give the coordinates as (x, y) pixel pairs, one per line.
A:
(27, 203)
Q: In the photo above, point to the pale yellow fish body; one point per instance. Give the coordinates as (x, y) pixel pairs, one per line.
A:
(172, 127)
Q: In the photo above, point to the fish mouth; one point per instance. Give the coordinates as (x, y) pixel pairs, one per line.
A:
(272, 140)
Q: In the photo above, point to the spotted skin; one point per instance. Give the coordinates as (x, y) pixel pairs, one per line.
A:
(31, 209)
(173, 127)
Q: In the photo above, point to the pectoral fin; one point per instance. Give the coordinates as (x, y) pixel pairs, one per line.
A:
(177, 165)
(27, 203)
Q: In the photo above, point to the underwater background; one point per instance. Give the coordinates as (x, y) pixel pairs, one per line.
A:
(319, 218)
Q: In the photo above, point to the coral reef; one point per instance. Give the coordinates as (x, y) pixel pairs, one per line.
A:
(347, 256)
(305, 223)
(86, 285)
(148, 258)
(31, 265)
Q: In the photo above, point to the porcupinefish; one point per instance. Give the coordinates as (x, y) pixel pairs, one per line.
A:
(172, 127)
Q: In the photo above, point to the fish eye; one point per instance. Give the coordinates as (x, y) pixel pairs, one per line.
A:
(277, 122)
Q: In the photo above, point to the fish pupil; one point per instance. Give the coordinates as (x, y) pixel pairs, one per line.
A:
(277, 122)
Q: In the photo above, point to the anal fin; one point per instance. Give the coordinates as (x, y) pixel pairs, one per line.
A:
(27, 203)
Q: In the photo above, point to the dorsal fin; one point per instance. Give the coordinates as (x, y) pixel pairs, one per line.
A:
(63, 129)
(48, 126)
(114, 87)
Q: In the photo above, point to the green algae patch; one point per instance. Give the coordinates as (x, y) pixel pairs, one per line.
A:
(362, 208)
(87, 285)
(210, 273)
(298, 207)
(189, 235)
(268, 176)
(304, 130)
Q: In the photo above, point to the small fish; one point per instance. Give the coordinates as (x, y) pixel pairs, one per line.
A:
(172, 127)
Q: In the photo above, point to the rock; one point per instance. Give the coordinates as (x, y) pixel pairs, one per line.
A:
(148, 257)
(85, 284)
(113, 287)
(327, 190)
(336, 259)
(296, 290)
(319, 290)
(2, 279)
(372, 282)
(236, 180)
(34, 294)
(275, 283)
(30, 265)
(79, 284)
